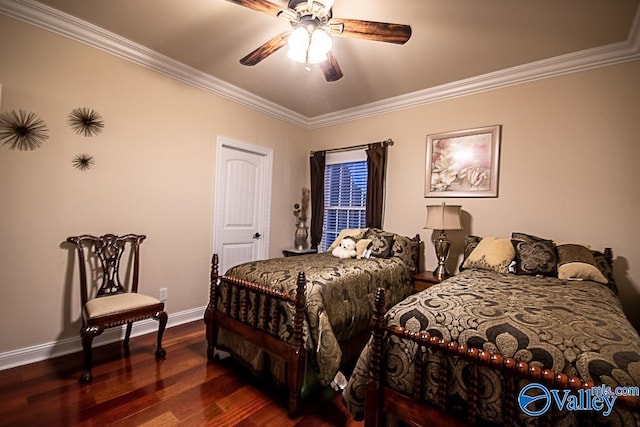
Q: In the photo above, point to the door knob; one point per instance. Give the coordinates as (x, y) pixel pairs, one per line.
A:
(256, 236)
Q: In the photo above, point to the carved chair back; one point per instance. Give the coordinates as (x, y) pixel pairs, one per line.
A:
(104, 254)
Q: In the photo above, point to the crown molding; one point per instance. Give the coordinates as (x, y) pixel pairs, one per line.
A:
(587, 59)
(63, 24)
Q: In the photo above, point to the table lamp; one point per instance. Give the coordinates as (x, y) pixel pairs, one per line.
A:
(442, 217)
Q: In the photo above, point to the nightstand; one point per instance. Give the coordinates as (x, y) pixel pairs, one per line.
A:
(296, 252)
(424, 280)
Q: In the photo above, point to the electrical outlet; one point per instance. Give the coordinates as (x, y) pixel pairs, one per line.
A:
(163, 294)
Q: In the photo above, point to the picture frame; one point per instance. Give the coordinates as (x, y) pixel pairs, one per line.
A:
(463, 163)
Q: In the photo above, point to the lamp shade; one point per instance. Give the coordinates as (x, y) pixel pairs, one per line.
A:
(443, 217)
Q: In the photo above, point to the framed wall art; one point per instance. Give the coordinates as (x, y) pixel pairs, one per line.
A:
(463, 163)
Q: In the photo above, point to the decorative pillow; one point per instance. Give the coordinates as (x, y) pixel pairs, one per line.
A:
(534, 255)
(355, 233)
(578, 262)
(491, 254)
(470, 243)
(381, 242)
(407, 249)
(526, 237)
(586, 245)
(362, 248)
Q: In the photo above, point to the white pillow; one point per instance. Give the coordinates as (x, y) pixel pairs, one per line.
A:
(362, 248)
(491, 254)
(578, 262)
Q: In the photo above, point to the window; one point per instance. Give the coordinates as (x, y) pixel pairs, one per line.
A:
(345, 194)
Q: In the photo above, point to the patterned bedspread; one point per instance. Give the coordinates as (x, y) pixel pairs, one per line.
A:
(575, 327)
(339, 294)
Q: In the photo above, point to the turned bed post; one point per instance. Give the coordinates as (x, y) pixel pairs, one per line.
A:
(209, 318)
(298, 356)
(608, 255)
(373, 391)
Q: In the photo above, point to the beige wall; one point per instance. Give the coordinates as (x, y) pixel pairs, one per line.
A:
(154, 174)
(568, 172)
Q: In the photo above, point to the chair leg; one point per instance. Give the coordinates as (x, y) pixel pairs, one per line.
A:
(87, 334)
(127, 335)
(162, 319)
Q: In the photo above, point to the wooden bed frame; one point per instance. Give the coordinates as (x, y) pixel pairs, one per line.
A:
(234, 318)
(381, 400)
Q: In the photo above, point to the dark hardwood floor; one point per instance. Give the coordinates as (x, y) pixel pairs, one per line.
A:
(184, 389)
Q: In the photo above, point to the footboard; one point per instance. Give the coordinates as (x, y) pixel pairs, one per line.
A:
(424, 379)
(251, 311)
(381, 400)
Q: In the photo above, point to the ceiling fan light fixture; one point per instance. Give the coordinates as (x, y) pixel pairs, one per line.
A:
(298, 44)
(313, 25)
(319, 46)
(309, 47)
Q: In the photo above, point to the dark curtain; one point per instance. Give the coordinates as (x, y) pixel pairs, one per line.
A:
(317, 161)
(376, 165)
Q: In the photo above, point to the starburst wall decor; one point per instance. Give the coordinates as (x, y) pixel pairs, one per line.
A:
(85, 121)
(23, 131)
(83, 161)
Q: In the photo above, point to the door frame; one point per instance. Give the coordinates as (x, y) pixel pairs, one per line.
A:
(223, 143)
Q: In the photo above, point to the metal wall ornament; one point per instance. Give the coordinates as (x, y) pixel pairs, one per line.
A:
(83, 161)
(85, 121)
(22, 130)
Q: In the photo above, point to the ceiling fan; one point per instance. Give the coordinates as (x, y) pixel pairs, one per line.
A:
(310, 41)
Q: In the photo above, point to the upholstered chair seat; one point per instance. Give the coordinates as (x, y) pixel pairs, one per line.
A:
(115, 304)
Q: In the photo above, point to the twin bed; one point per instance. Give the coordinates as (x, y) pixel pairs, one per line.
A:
(457, 353)
(299, 319)
(461, 352)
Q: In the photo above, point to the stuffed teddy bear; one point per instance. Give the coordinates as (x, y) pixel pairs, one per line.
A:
(346, 249)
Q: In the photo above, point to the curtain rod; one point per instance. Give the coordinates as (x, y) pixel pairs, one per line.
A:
(354, 147)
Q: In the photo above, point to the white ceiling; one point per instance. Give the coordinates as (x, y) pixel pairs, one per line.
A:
(453, 41)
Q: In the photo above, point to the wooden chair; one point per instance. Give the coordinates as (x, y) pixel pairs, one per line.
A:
(112, 305)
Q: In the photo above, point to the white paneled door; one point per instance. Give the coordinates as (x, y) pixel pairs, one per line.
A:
(242, 202)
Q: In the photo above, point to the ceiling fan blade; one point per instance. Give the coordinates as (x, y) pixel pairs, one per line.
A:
(331, 69)
(261, 6)
(266, 49)
(371, 30)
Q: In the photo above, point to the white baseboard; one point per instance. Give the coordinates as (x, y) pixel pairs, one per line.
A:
(37, 353)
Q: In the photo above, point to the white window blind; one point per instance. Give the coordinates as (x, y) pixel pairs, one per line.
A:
(345, 194)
